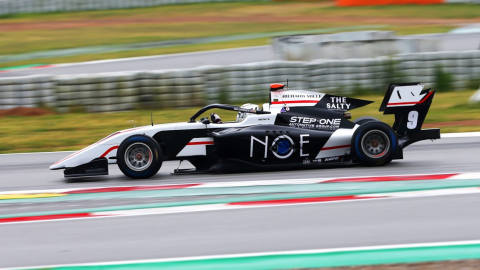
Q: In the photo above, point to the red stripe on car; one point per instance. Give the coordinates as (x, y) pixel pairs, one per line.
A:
(200, 143)
(109, 150)
(335, 147)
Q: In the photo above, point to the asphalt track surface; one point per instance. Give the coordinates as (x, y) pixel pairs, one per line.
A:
(279, 228)
(172, 61)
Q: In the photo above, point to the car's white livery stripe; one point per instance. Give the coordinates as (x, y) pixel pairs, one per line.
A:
(338, 144)
(196, 147)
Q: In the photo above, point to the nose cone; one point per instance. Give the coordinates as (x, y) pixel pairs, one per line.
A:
(56, 167)
(61, 163)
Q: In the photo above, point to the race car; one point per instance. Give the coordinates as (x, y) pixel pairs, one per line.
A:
(295, 129)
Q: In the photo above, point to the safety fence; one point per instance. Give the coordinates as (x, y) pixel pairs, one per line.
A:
(236, 83)
(42, 6)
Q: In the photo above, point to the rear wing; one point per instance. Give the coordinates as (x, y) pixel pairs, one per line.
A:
(410, 104)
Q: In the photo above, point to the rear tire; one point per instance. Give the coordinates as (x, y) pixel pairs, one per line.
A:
(374, 144)
(139, 157)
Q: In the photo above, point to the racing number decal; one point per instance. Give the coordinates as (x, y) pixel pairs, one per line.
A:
(412, 120)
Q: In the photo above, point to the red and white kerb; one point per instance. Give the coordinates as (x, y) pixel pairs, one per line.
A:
(196, 147)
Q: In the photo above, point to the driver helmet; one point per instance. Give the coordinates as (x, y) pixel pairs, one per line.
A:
(249, 106)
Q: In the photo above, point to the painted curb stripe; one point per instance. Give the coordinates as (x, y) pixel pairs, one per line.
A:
(254, 183)
(234, 205)
(354, 256)
(392, 178)
(180, 209)
(16, 68)
(135, 188)
(48, 217)
(30, 196)
(307, 200)
(450, 189)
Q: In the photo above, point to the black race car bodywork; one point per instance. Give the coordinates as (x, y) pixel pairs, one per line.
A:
(295, 129)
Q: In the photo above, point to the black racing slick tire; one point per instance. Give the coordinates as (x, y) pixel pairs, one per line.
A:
(374, 144)
(364, 119)
(139, 157)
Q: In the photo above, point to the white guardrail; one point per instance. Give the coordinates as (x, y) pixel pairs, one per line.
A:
(42, 6)
(234, 84)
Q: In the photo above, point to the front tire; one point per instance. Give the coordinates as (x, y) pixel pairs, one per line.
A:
(139, 157)
(374, 144)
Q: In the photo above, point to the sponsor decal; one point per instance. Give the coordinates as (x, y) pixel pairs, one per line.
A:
(245, 110)
(338, 103)
(328, 159)
(282, 146)
(263, 119)
(302, 96)
(284, 109)
(331, 159)
(295, 97)
(314, 123)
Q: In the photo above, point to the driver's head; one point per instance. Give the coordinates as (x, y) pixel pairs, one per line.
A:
(249, 106)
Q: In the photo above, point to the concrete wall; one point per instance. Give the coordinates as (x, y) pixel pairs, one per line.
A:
(233, 84)
(368, 44)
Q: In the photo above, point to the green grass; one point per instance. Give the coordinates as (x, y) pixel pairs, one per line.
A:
(74, 131)
(33, 32)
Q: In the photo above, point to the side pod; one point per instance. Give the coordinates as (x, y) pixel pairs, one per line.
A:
(98, 166)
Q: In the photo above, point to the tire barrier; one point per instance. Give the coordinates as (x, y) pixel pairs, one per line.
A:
(235, 83)
(41, 6)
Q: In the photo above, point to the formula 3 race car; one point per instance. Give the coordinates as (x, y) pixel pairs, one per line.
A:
(295, 129)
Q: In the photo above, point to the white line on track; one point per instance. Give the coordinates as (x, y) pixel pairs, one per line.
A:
(259, 254)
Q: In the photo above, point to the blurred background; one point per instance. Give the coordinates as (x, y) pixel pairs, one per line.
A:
(74, 71)
(68, 57)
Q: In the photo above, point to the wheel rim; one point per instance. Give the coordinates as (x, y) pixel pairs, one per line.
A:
(138, 156)
(375, 143)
